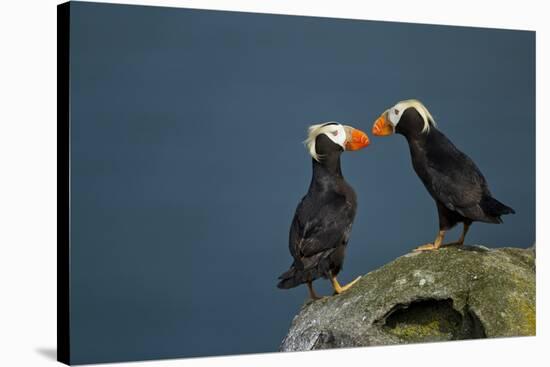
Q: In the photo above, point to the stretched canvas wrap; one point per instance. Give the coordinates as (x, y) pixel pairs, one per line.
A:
(246, 183)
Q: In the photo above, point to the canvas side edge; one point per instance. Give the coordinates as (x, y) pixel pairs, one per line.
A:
(63, 184)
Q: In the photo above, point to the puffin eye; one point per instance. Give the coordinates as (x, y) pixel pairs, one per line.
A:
(396, 111)
(335, 132)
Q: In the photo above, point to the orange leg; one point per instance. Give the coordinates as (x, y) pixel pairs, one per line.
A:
(338, 288)
(432, 246)
(439, 239)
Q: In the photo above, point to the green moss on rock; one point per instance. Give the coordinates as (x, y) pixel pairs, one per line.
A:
(450, 294)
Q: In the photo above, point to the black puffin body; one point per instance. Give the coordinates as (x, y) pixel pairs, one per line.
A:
(322, 222)
(453, 180)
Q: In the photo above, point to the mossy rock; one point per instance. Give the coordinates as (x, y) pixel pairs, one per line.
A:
(452, 294)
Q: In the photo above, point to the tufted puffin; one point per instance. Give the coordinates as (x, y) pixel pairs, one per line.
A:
(458, 187)
(322, 222)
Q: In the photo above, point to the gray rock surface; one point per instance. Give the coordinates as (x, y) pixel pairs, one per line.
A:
(450, 294)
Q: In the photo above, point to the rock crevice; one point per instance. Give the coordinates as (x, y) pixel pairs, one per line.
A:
(451, 294)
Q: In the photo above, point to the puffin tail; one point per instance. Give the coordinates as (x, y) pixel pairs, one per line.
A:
(495, 208)
(290, 279)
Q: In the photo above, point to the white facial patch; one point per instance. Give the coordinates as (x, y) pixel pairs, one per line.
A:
(394, 114)
(337, 134)
(334, 131)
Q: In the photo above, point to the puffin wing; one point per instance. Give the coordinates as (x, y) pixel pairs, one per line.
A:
(455, 181)
(327, 229)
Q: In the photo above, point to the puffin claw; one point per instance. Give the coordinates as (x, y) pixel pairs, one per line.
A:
(426, 247)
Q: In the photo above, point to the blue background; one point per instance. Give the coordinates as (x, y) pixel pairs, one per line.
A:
(187, 162)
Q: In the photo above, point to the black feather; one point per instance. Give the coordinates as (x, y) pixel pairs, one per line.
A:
(322, 222)
(450, 176)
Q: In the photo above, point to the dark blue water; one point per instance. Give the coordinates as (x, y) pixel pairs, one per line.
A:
(187, 161)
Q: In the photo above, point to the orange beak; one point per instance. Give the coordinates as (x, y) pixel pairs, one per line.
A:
(382, 127)
(358, 140)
